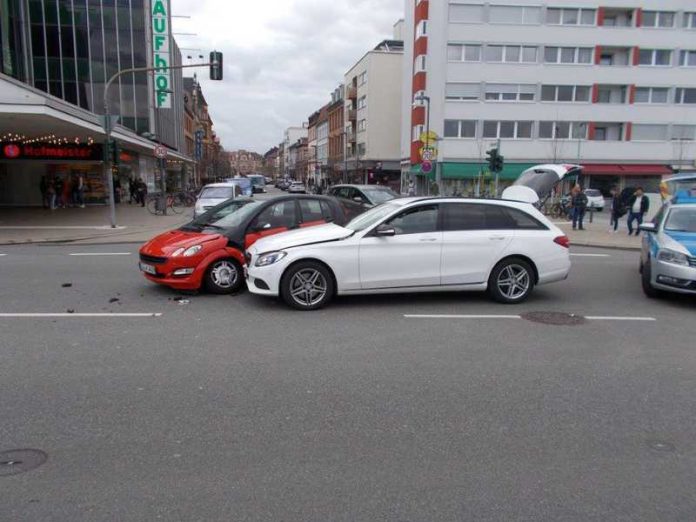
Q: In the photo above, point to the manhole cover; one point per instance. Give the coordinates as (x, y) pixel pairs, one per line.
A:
(661, 445)
(14, 462)
(554, 318)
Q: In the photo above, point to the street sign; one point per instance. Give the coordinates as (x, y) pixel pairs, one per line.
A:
(427, 154)
(160, 151)
(428, 137)
(426, 167)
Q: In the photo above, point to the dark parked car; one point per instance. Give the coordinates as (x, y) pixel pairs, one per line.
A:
(366, 195)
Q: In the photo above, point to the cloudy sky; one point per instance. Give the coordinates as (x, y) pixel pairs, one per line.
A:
(282, 58)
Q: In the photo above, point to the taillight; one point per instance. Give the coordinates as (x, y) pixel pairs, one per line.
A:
(563, 241)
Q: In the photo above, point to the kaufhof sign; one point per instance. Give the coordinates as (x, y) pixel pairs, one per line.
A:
(161, 53)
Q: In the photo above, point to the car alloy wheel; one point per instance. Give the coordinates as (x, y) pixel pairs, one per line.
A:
(223, 277)
(511, 281)
(307, 286)
(646, 281)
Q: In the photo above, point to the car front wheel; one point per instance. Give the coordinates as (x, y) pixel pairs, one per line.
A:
(307, 286)
(224, 276)
(646, 280)
(511, 281)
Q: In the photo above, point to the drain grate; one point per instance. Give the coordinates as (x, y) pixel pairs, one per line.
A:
(14, 462)
(554, 318)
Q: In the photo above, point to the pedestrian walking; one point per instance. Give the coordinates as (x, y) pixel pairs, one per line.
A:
(617, 209)
(579, 205)
(59, 186)
(43, 187)
(638, 206)
(79, 191)
(51, 192)
(411, 188)
(141, 191)
(131, 191)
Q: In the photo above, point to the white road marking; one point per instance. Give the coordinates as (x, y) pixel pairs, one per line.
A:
(590, 255)
(95, 315)
(48, 227)
(445, 316)
(614, 318)
(3, 255)
(90, 254)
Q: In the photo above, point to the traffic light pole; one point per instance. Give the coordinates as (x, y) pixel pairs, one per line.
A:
(497, 174)
(108, 174)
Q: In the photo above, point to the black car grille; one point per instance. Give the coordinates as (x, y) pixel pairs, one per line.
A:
(153, 260)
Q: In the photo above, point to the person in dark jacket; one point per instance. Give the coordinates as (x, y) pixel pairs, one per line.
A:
(618, 210)
(579, 204)
(638, 206)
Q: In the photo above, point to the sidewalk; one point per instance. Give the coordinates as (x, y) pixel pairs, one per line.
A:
(599, 235)
(84, 225)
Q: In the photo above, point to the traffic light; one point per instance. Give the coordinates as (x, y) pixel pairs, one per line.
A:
(495, 160)
(115, 152)
(216, 65)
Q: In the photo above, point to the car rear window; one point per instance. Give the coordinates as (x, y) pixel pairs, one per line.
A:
(593, 193)
(217, 193)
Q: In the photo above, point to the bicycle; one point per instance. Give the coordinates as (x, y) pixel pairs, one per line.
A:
(159, 203)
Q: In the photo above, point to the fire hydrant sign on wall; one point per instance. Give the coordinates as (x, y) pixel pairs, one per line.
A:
(161, 55)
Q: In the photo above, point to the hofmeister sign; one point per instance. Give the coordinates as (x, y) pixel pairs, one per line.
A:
(161, 57)
(16, 151)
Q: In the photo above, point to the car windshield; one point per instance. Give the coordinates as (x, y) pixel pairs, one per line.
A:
(217, 193)
(593, 193)
(234, 219)
(681, 220)
(257, 180)
(371, 217)
(378, 196)
(218, 213)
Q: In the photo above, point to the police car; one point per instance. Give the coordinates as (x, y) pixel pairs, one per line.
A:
(668, 256)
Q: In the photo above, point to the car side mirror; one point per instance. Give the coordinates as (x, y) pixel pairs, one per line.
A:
(357, 199)
(385, 231)
(648, 227)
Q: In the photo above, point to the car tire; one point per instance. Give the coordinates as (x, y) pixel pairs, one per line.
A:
(646, 282)
(511, 281)
(294, 289)
(224, 276)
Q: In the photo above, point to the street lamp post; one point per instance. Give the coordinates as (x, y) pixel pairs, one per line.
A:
(423, 98)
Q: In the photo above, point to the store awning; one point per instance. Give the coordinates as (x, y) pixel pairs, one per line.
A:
(452, 170)
(614, 169)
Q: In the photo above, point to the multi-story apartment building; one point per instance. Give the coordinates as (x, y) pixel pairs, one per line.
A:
(612, 87)
(270, 162)
(335, 113)
(291, 137)
(244, 162)
(373, 114)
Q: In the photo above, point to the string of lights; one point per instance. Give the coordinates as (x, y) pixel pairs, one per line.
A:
(51, 139)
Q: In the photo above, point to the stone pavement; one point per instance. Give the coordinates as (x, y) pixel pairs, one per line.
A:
(88, 225)
(598, 234)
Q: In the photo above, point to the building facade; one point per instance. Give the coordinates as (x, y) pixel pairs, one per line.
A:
(318, 146)
(373, 115)
(56, 57)
(336, 155)
(291, 136)
(612, 88)
(244, 162)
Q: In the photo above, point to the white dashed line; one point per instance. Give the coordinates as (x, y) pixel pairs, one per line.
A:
(62, 315)
(614, 318)
(3, 255)
(96, 254)
(445, 316)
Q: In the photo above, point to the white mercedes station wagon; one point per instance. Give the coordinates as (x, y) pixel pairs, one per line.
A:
(414, 245)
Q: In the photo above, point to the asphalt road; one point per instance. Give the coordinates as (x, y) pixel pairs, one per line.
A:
(237, 409)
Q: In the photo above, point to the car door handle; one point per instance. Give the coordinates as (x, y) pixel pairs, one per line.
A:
(496, 238)
(428, 239)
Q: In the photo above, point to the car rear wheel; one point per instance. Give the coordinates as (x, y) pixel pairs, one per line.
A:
(646, 280)
(307, 286)
(511, 281)
(224, 276)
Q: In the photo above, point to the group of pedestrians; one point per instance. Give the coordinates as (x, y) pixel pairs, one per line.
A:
(57, 192)
(636, 207)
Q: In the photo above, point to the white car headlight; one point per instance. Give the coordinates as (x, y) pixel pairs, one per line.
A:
(670, 256)
(187, 252)
(270, 258)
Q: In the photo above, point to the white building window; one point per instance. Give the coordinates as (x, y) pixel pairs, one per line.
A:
(466, 13)
(574, 16)
(689, 21)
(362, 79)
(362, 125)
(420, 63)
(511, 54)
(362, 102)
(684, 132)
(460, 128)
(687, 59)
(562, 130)
(565, 93)
(651, 95)
(507, 129)
(518, 15)
(655, 57)
(361, 149)
(464, 53)
(687, 96)
(510, 92)
(643, 132)
(462, 91)
(658, 19)
(422, 28)
(568, 55)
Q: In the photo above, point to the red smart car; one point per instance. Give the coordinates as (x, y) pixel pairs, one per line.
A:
(209, 251)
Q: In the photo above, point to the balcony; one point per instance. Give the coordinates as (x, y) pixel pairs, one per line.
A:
(352, 93)
(614, 56)
(617, 17)
(617, 94)
(352, 114)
